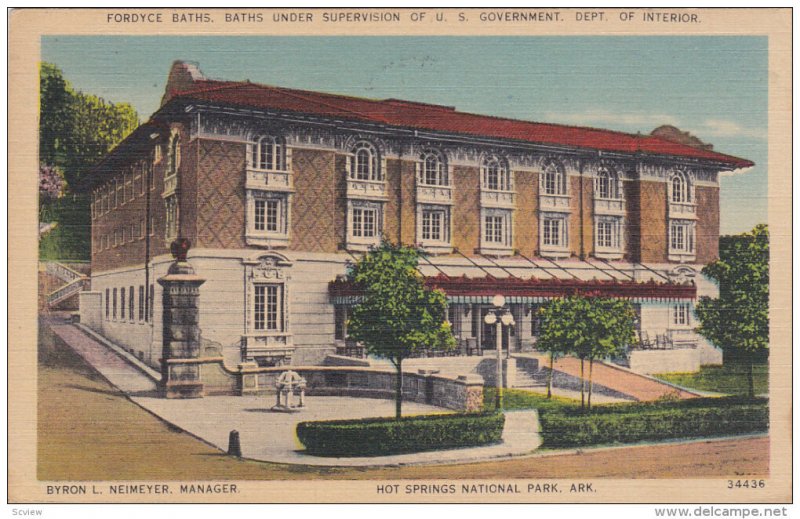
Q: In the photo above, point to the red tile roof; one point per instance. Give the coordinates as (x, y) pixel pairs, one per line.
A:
(423, 116)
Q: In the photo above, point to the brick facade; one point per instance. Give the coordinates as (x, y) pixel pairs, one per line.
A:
(220, 195)
(315, 211)
(707, 224)
(526, 221)
(652, 222)
(466, 212)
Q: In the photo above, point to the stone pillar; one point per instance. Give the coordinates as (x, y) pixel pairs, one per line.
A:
(181, 375)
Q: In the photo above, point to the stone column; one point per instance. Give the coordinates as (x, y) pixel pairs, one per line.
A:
(181, 375)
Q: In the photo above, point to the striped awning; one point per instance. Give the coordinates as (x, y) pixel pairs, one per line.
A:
(475, 280)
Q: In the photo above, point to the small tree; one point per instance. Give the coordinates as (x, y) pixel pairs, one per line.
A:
(551, 339)
(398, 315)
(589, 328)
(738, 320)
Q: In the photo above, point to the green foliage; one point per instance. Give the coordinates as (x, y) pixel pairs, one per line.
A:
(738, 320)
(383, 436)
(587, 327)
(522, 399)
(77, 129)
(398, 315)
(654, 421)
(730, 378)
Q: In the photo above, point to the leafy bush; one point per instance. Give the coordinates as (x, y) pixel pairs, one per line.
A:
(652, 422)
(383, 436)
(688, 403)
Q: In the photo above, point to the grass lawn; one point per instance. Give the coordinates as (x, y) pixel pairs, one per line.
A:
(730, 378)
(88, 430)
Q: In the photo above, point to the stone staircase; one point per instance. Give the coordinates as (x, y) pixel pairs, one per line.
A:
(528, 375)
(72, 283)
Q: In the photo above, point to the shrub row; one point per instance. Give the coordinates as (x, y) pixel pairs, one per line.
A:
(688, 403)
(383, 436)
(573, 430)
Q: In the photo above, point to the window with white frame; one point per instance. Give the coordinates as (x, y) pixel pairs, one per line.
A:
(554, 231)
(435, 224)
(496, 228)
(365, 163)
(680, 188)
(171, 217)
(365, 222)
(681, 237)
(608, 185)
(267, 217)
(173, 155)
(495, 174)
(681, 315)
(554, 180)
(433, 169)
(268, 153)
(608, 233)
(267, 306)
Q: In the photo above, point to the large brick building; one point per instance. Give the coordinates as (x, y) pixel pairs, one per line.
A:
(277, 189)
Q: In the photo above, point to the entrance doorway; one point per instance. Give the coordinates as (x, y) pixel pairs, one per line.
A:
(489, 332)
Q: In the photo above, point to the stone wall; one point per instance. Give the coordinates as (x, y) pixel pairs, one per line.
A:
(90, 304)
(461, 393)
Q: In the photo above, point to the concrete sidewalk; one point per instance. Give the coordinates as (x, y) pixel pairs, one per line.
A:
(269, 436)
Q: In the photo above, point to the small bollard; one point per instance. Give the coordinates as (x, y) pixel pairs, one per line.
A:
(234, 446)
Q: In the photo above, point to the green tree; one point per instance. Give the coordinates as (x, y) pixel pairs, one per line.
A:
(590, 328)
(398, 315)
(75, 131)
(738, 320)
(553, 342)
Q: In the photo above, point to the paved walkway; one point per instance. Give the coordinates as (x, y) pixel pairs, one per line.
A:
(269, 436)
(640, 387)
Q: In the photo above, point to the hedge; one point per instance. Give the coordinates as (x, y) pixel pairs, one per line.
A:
(686, 403)
(560, 429)
(383, 436)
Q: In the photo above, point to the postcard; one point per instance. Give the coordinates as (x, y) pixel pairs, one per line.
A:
(528, 255)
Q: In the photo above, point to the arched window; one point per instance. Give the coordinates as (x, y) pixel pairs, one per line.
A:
(365, 164)
(495, 174)
(173, 155)
(554, 180)
(607, 184)
(267, 153)
(434, 169)
(680, 188)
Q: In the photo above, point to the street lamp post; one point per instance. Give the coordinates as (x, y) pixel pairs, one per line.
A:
(499, 316)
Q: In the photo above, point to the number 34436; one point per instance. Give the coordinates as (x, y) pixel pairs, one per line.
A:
(746, 483)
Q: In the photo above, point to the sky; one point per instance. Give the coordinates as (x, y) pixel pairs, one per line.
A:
(713, 86)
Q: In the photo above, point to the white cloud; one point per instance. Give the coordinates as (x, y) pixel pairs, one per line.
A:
(645, 123)
(728, 128)
(605, 118)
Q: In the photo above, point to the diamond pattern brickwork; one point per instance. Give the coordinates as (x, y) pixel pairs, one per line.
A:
(526, 224)
(220, 195)
(466, 211)
(314, 204)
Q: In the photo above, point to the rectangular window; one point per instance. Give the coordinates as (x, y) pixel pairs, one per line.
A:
(152, 300)
(494, 229)
(340, 322)
(122, 303)
(260, 219)
(681, 315)
(171, 206)
(552, 231)
(433, 225)
(266, 310)
(141, 303)
(272, 215)
(118, 195)
(365, 222)
(130, 303)
(605, 233)
(681, 237)
(108, 306)
(114, 307)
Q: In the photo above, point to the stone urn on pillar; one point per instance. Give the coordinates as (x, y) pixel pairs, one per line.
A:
(181, 375)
